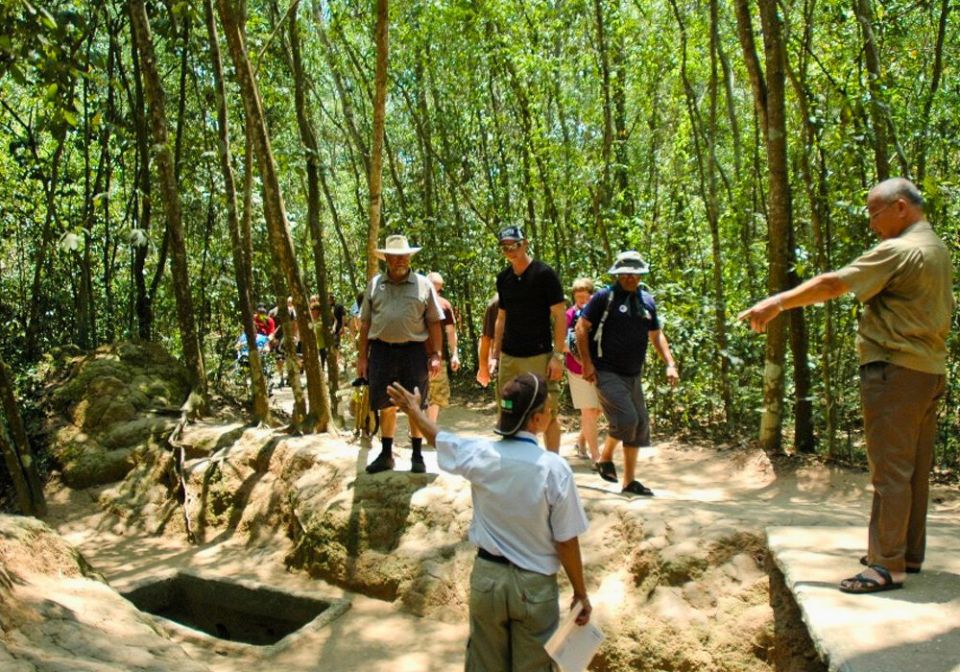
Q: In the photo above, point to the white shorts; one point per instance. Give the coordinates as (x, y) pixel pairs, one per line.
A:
(583, 393)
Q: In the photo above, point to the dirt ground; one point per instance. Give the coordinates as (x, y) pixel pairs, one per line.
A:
(700, 492)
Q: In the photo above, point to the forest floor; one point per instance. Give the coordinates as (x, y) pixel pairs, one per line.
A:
(697, 488)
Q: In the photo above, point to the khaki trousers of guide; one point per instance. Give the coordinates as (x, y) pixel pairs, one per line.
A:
(513, 612)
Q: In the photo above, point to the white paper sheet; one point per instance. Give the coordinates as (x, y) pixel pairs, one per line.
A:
(572, 646)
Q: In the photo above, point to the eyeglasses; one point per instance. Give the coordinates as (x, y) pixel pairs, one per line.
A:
(876, 213)
(511, 247)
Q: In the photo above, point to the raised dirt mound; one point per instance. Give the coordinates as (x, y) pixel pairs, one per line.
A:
(57, 614)
(682, 589)
(105, 409)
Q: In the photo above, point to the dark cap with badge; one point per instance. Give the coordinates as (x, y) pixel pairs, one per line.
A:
(520, 397)
(510, 233)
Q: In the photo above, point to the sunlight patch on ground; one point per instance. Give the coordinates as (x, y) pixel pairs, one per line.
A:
(608, 598)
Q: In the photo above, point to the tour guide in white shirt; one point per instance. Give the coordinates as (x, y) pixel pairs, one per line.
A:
(527, 517)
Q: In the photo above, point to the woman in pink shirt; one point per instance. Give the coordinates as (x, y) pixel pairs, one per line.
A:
(583, 393)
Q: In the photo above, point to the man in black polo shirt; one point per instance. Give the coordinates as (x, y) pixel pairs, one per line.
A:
(612, 335)
(525, 340)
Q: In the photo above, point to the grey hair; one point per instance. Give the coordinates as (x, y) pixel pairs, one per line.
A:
(899, 187)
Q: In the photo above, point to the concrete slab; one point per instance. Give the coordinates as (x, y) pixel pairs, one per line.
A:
(913, 629)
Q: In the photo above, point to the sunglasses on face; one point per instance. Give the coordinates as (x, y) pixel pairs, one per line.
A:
(511, 247)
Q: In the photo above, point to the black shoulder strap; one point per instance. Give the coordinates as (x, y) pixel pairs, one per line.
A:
(598, 335)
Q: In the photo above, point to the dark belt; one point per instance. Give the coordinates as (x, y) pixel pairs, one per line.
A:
(487, 555)
(405, 344)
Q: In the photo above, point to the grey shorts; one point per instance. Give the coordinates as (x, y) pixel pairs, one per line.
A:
(621, 398)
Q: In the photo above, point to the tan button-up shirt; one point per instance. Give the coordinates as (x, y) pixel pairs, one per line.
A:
(399, 312)
(906, 286)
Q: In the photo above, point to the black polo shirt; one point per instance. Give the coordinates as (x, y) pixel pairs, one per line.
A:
(625, 333)
(527, 298)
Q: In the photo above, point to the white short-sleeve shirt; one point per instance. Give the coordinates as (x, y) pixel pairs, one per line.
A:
(525, 499)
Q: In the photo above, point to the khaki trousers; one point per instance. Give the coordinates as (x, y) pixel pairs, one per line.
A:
(511, 367)
(513, 612)
(900, 421)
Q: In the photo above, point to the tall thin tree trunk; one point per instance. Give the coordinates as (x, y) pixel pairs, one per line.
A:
(33, 332)
(769, 102)
(803, 435)
(704, 141)
(863, 10)
(308, 137)
(110, 323)
(621, 170)
(375, 178)
(338, 227)
(779, 224)
(346, 105)
(86, 327)
(606, 147)
(143, 214)
(815, 183)
(276, 217)
(936, 75)
(242, 271)
(713, 217)
(153, 88)
(731, 110)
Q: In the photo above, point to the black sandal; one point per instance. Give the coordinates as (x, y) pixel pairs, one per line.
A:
(860, 584)
(637, 488)
(608, 472)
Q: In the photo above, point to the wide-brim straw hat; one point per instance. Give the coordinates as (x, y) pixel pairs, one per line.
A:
(629, 262)
(396, 245)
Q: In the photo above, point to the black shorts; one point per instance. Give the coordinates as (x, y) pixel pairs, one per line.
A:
(404, 363)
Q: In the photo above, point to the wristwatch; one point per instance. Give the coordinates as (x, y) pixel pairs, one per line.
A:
(558, 355)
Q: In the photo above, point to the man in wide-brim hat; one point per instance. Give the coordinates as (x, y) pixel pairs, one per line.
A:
(399, 342)
(396, 246)
(612, 335)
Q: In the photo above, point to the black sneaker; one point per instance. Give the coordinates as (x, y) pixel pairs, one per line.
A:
(637, 488)
(417, 466)
(382, 463)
